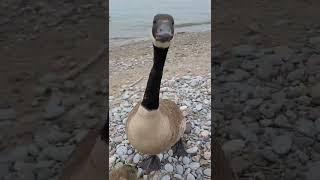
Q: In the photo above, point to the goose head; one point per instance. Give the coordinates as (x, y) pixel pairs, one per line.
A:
(162, 30)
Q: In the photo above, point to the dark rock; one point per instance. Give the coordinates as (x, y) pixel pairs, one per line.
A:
(188, 128)
(315, 94)
(268, 155)
(302, 142)
(282, 144)
(243, 50)
(307, 127)
(296, 75)
(238, 75)
(296, 91)
(314, 171)
(303, 157)
(7, 114)
(269, 110)
(283, 52)
(266, 72)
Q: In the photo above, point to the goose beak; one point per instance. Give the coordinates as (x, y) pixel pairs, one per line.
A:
(163, 28)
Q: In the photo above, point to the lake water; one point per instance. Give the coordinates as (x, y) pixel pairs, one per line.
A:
(132, 19)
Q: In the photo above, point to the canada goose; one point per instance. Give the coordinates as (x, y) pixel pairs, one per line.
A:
(126, 172)
(154, 125)
(88, 161)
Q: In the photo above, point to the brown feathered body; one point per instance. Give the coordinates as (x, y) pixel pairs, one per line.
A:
(88, 161)
(152, 132)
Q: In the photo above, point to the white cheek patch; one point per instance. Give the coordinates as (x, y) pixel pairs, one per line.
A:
(160, 44)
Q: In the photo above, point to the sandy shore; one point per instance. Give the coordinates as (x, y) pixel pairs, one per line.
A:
(188, 54)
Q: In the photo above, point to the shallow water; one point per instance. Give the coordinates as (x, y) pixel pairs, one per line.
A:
(132, 19)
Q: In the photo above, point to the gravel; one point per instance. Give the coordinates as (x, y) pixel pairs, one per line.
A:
(269, 118)
(193, 95)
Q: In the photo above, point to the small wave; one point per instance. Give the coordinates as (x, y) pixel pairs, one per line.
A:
(192, 24)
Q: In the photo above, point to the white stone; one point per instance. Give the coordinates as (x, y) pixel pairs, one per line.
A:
(186, 160)
(192, 150)
(121, 150)
(190, 177)
(168, 167)
(207, 172)
(194, 165)
(179, 169)
(166, 177)
(136, 158)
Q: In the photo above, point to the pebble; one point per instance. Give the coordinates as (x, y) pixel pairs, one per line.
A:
(192, 150)
(199, 107)
(186, 160)
(190, 177)
(168, 168)
(282, 144)
(166, 177)
(121, 150)
(207, 172)
(194, 165)
(136, 158)
(179, 169)
(207, 155)
(178, 176)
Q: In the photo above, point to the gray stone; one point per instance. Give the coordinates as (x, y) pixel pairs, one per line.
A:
(179, 169)
(190, 177)
(306, 126)
(269, 155)
(194, 165)
(207, 172)
(136, 158)
(165, 177)
(296, 75)
(185, 160)
(282, 144)
(7, 114)
(121, 150)
(168, 167)
(178, 176)
(192, 150)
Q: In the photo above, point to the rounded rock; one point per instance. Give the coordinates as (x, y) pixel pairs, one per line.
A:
(168, 167)
(190, 177)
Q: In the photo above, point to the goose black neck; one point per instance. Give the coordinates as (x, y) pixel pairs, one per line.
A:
(151, 95)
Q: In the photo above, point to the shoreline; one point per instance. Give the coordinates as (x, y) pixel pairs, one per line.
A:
(120, 41)
(189, 54)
